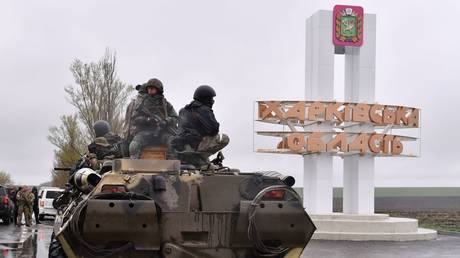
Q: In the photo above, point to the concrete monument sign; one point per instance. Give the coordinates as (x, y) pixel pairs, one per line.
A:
(357, 129)
(341, 116)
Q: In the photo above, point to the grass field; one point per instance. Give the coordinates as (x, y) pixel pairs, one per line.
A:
(435, 207)
(404, 191)
(441, 221)
(410, 192)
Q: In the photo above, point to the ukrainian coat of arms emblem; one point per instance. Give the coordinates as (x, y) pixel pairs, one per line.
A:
(348, 25)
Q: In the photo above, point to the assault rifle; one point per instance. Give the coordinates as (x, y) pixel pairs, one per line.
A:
(164, 124)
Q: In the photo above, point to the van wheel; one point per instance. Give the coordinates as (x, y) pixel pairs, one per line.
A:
(55, 250)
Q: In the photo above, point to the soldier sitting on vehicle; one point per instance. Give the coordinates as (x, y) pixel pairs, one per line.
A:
(199, 136)
(106, 144)
(128, 127)
(153, 120)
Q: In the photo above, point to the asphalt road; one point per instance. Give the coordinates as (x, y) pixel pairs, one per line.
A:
(443, 247)
(25, 241)
(12, 244)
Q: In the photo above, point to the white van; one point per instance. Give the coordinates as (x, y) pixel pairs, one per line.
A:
(46, 197)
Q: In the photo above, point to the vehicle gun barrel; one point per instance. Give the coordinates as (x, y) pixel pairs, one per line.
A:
(61, 169)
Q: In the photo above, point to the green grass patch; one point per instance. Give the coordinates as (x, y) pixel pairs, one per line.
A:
(440, 227)
(409, 192)
(441, 221)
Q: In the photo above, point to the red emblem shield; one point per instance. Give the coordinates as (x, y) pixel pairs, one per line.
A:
(348, 25)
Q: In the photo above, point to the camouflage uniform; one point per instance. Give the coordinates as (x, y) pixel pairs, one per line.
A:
(199, 136)
(107, 146)
(151, 120)
(25, 199)
(128, 127)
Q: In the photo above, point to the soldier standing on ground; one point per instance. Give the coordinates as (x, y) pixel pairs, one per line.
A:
(25, 200)
(199, 129)
(152, 119)
(16, 205)
(35, 206)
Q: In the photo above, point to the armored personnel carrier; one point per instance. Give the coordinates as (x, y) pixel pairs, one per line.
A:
(158, 208)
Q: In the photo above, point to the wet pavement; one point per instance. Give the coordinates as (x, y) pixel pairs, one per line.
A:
(34, 242)
(25, 241)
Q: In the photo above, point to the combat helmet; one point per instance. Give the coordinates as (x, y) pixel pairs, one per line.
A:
(157, 84)
(205, 94)
(101, 128)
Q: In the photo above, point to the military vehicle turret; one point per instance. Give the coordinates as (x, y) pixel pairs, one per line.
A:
(158, 208)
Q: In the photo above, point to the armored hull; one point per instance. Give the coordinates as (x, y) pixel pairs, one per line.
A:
(155, 208)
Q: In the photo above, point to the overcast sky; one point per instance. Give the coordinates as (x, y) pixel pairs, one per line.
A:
(247, 50)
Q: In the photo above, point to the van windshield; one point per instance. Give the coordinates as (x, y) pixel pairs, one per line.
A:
(50, 194)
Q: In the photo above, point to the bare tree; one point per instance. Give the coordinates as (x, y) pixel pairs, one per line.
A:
(5, 178)
(59, 178)
(69, 140)
(99, 94)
